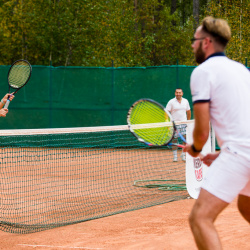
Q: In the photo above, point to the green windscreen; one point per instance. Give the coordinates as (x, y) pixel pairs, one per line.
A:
(59, 97)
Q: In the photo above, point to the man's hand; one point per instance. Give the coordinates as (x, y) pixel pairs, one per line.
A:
(5, 98)
(3, 112)
(209, 158)
(188, 148)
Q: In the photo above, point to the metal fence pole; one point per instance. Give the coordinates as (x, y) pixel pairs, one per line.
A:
(177, 73)
(113, 95)
(50, 96)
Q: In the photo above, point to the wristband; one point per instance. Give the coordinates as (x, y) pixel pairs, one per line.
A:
(194, 149)
(2, 102)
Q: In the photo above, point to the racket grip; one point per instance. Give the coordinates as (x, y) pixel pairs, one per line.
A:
(177, 145)
(182, 137)
(7, 104)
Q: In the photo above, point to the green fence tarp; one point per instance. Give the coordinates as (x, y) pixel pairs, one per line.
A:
(57, 97)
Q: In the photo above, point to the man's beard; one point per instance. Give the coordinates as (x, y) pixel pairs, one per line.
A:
(199, 55)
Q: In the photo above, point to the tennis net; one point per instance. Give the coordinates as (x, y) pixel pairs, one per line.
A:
(56, 177)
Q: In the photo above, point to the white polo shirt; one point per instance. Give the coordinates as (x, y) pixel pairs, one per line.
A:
(177, 109)
(225, 84)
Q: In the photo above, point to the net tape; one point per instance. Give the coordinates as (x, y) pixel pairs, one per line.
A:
(14, 132)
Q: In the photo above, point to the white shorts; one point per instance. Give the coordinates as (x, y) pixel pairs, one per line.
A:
(228, 176)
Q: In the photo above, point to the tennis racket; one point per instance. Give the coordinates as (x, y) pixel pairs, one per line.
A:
(18, 75)
(152, 124)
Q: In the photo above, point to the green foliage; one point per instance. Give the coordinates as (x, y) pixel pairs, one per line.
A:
(97, 33)
(237, 13)
(92, 33)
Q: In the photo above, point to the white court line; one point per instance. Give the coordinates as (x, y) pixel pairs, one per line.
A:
(27, 245)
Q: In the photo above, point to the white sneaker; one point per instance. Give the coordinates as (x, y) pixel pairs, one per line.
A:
(183, 157)
(175, 159)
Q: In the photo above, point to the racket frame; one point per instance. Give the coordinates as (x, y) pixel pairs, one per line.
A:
(169, 143)
(10, 87)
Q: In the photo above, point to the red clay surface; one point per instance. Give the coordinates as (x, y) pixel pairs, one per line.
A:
(159, 227)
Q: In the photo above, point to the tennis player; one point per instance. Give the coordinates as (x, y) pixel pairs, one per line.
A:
(4, 111)
(179, 108)
(220, 91)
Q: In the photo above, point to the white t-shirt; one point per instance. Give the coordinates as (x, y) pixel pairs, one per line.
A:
(225, 84)
(178, 110)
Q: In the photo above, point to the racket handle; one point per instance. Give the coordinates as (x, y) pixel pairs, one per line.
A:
(182, 137)
(178, 145)
(7, 104)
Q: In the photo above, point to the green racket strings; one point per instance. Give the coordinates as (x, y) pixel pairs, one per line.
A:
(146, 112)
(19, 74)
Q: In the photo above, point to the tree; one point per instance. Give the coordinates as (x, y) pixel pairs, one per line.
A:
(196, 9)
(238, 16)
(173, 6)
(126, 32)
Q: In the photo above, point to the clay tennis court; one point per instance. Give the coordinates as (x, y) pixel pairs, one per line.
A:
(43, 188)
(159, 227)
(163, 226)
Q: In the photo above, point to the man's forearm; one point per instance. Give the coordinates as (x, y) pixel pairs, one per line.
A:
(201, 127)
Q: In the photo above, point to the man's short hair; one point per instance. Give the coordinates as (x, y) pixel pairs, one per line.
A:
(217, 28)
(179, 89)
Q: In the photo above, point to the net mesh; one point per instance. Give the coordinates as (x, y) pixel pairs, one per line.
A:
(56, 177)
